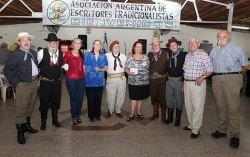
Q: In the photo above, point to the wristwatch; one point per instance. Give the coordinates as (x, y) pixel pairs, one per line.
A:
(204, 76)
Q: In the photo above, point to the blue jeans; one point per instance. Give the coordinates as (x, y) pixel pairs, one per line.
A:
(76, 92)
(94, 95)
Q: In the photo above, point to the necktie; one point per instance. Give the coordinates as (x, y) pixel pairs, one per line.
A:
(157, 54)
(54, 58)
(115, 64)
(173, 58)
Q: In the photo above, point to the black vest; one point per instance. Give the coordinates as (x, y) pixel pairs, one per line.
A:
(48, 69)
(178, 70)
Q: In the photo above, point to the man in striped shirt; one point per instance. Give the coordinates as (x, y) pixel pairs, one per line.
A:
(228, 60)
(197, 68)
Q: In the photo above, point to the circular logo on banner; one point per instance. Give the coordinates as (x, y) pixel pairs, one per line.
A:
(88, 30)
(58, 12)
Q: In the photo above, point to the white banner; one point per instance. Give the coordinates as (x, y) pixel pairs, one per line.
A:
(111, 14)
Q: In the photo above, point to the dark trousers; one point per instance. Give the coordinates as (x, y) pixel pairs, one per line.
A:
(94, 96)
(157, 90)
(247, 88)
(50, 95)
(76, 92)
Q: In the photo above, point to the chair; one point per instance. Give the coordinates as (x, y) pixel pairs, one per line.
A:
(1, 69)
(4, 84)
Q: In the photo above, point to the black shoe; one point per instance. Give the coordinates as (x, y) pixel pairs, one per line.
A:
(56, 123)
(30, 129)
(195, 135)
(177, 122)
(55, 118)
(170, 116)
(74, 121)
(20, 133)
(130, 118)
(178, 118)
(98, 119)
(141, 116)
(91, 119)
(169, 120)
(79, 120)
(43, 120)
(43, 125)
(218, 134)
(234, 142)
(186, 128)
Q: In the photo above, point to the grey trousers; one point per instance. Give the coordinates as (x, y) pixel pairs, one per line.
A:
(174, 94)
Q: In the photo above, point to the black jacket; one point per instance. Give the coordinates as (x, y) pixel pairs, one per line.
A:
(16, 69)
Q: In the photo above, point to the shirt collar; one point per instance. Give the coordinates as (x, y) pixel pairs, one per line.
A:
(227, 45)
(194, 53)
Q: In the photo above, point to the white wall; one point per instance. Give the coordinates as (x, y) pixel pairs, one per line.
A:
(129, 36)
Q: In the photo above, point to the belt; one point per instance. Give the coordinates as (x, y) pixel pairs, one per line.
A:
(227, 73)
(158, 76)
(50, 80)
(189, 80)
(116, 75)
(175, 78)
(34, 78)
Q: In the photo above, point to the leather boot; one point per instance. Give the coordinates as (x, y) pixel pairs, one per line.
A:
(178, 117)
(20, 133)
(43, 120)
(163, 114)
(155, 112)
(55, 118)
(28, 127)
(170, 116)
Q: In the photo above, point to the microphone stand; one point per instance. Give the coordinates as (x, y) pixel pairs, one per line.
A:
(125, 48)
(126, 75)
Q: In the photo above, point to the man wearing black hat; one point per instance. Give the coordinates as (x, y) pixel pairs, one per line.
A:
(50, 61)
(174, 93)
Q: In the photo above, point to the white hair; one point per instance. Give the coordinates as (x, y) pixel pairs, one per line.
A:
(197, 40)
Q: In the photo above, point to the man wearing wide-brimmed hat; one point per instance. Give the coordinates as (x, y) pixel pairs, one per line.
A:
(174, 93)
(21, 69)
(50, 61)
(158, 77)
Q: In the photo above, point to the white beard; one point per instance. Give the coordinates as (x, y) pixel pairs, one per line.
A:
(222, 42)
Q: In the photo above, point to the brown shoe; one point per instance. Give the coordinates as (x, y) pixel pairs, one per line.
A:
(155, 112)
(108, 115)
(119, 115)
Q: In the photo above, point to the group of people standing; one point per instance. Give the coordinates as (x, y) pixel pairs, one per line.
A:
(171, 78)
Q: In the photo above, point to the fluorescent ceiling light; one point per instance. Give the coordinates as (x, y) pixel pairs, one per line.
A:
(240, 27)
(165, 1)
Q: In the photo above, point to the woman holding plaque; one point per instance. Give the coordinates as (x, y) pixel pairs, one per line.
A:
(137, 67)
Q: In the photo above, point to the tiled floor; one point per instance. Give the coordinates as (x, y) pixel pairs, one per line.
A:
(117, 137)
